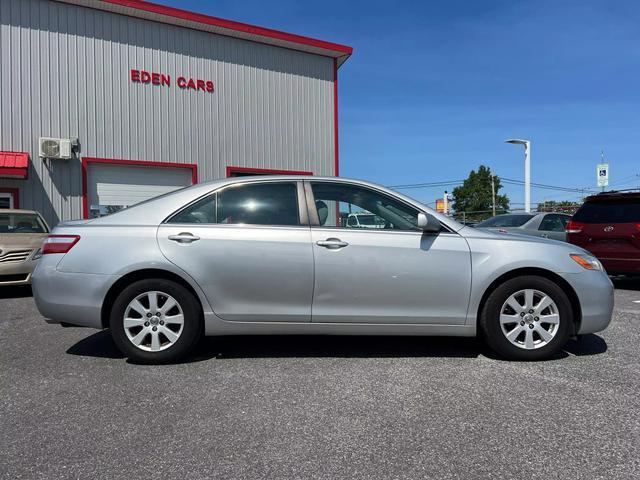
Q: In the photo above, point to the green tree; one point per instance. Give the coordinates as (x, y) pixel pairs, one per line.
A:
(474, 196)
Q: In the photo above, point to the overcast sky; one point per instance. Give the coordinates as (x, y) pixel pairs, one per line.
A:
(434, 87)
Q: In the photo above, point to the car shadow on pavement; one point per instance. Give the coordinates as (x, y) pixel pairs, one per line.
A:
(20, 291)
(101, 345)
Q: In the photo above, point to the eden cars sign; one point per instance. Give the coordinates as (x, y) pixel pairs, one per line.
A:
(164, 80)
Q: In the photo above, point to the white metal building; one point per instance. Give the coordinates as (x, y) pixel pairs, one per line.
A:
(145, 98)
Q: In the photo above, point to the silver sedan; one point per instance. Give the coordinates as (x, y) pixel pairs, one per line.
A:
(545, 225)
(276, 255)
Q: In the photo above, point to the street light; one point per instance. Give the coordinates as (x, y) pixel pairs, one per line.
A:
(527, 170)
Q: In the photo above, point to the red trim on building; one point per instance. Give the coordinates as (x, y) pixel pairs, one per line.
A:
(112, 161)
(185, 15)
(336, 155)
(14, 164)
(15, 193)
(264, 171)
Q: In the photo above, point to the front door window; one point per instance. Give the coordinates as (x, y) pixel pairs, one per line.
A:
(352, 206)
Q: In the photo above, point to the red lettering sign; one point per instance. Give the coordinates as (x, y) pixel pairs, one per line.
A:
(164, 80)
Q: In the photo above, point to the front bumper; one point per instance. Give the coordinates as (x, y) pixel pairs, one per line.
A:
(74, 298)
(595, 293)
(16, 273)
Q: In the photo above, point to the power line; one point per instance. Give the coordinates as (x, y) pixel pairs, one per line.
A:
(545, 186)
(445, 183)
(508, 181)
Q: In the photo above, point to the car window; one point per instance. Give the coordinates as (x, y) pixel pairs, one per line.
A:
(351, 206)
(21, 223)
(553, 223)
(621, 210)
(505, 221)
(256, 204)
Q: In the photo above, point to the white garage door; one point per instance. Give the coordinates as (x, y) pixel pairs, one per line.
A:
(112, 187)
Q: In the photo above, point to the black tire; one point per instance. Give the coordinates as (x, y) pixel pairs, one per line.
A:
(491, 329)
(190, 332)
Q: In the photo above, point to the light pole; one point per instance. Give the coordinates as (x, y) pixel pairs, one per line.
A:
(527, 170)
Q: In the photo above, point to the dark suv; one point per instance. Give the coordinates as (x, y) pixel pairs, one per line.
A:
(608, 225)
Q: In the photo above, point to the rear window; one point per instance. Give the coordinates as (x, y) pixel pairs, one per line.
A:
(21, 223)
(505, 221)
(610, 211)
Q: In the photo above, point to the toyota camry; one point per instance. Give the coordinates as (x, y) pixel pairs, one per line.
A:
(278, 255)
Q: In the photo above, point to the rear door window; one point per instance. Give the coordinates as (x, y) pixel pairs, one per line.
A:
(268, 203)
(505, 221)
(553, 223)
(610, 211)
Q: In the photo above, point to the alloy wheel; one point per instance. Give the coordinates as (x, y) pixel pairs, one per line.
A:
(153, 321)
(529, 319)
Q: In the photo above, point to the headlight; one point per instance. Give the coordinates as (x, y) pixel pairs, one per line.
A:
(586, 261)
(37, 255)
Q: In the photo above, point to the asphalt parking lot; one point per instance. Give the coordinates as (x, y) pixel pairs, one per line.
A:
(325, 407)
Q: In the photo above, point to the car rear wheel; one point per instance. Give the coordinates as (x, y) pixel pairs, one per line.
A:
(527, 318)
(155, 321)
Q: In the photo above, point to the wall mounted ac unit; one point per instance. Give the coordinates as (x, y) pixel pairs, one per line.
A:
(56, 147)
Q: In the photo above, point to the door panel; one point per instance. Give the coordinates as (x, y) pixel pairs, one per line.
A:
(391, 277)
(249, 249)
(249, 273)
(382, 268)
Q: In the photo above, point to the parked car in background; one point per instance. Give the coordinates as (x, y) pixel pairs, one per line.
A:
(608, 225)
(364, 220)
(22, 233)
(545, 225)
(268, 255)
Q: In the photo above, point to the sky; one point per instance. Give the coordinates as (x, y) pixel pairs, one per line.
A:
(435, 87)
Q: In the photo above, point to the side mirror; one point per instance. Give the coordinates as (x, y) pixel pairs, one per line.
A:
(428, 223)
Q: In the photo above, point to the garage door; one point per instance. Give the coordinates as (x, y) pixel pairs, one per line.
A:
(113, 187)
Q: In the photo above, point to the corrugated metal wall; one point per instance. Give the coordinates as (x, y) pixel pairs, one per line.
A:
(65, 72)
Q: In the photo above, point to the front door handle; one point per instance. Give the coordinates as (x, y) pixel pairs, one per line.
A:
(331, 243)
(184, 237)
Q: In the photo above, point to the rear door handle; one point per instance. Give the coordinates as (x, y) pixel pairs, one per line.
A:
(331, 243)
(184, 237)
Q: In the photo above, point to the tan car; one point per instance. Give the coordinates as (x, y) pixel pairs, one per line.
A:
(22, 233)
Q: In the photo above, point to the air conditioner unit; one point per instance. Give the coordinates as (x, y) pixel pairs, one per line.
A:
(56, 147)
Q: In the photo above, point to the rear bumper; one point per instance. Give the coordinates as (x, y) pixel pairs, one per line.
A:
(595, 293)
(73, 298)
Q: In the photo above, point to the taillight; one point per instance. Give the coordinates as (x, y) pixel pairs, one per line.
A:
(574, 227)
(59, 243)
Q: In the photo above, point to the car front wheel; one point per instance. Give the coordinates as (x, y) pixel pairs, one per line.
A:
(527, 318)
(155, 321)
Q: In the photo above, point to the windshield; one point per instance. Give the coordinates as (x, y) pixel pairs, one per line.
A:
(505, 221)
(21, 223)
(622, 210)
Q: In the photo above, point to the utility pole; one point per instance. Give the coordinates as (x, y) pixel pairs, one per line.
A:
(493, 195)
(527, 170)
